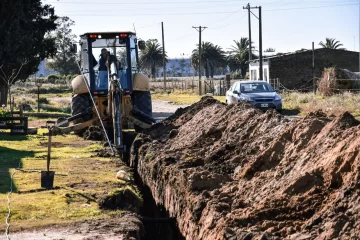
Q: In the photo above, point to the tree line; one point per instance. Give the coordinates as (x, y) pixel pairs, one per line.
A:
(213, 56)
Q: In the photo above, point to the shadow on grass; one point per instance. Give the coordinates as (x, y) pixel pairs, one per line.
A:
(10, 158)
(290, 112)
(9, 137)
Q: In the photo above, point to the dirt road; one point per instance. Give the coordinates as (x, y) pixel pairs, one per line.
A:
(124, 227)
(164, 109)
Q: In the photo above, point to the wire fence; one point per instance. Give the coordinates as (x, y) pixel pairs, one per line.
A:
(216, 87)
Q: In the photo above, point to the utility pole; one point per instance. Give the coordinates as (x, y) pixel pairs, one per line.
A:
(260, 47)
(163, 48)
(313, 67)
(260, 38)
(249, 17)
(200, 29)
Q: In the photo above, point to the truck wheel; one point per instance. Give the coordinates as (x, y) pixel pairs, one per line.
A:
(142, 100)
(80, 103)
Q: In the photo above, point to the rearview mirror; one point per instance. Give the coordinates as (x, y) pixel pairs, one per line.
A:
(141, 45)
(73, 48)
(235, 92)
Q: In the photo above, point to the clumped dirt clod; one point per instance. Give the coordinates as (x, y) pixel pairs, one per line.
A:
(233, 172)
(103, 153)
(94, 133)
(125, 199)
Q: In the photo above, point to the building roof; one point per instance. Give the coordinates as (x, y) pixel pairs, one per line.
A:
(252, 81)
(111, 32)
(278, 55)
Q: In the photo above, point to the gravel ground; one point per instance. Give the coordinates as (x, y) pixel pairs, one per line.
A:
(164, 109)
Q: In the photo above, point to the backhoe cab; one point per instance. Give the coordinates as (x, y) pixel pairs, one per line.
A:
(111, 85)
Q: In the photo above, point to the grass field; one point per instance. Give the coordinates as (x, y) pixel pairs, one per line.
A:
(80, 179)
(293, 103)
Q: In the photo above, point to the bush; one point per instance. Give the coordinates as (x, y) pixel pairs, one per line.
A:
(41, 80)
(60, 81)
(57, 89)
(43, 100)
(52, 78)
(49, 108)
(26, 101)
(4, 113)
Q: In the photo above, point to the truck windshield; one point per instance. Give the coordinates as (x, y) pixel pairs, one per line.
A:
(101, 50)
(255, 87)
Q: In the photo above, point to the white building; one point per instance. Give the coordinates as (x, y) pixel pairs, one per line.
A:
(254, 70)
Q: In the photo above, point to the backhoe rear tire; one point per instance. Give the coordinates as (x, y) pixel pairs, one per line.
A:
(142, 100)
(80, 103)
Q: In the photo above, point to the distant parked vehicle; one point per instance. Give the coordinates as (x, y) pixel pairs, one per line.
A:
(258, 93)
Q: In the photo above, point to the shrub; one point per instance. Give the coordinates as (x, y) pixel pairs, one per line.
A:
(3, 113)
(57, 89)
(60, 81)
(52, 78)
(49, 108)
(27, 101)
(43, 100)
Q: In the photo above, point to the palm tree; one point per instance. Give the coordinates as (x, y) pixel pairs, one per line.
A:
(331, 43)
(151, 57)
(212, 56)
(239, 55)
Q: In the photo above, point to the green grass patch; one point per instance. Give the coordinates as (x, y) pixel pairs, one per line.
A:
(179, 98)
(80, 179)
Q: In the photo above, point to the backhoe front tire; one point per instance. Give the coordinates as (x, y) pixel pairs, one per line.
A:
(142, 100)
(80, 103)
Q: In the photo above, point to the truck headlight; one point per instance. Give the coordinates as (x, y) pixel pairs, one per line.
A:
(277, 98)
(246, 99)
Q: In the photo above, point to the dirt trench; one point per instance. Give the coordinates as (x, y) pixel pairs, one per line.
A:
(233, 172)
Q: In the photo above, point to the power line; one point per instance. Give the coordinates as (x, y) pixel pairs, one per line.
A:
(135, 3)
(224, 26)
(148, 26)
(300, 8)
(184, 35)
(146, 14)
(202, 13)
(226, 16)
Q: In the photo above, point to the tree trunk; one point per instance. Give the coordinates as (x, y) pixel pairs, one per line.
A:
(153, 72)
(243, 72)
(3, 94)
(212, 70)
(206, 70)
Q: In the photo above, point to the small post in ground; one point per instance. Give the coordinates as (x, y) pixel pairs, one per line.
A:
(38, 84)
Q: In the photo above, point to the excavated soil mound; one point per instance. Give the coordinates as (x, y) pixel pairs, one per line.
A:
(233, 172)
(94, 133)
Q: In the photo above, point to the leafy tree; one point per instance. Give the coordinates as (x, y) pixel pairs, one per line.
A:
(239, 55)
(270, 50)
(173, 68)
(151, 57)
(24, 41)
(64, 61)
(182, 65)
(212, 56)
(331, 43)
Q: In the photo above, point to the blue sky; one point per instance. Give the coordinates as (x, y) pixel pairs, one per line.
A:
(288, 25)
